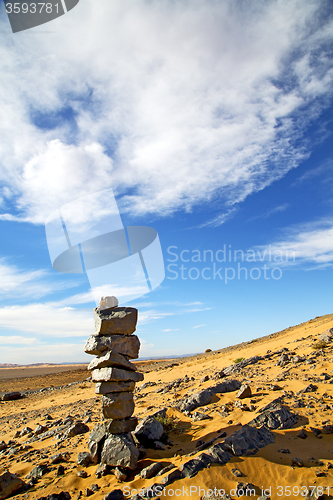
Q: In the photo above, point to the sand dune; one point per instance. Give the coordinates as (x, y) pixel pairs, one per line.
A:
(268, 468)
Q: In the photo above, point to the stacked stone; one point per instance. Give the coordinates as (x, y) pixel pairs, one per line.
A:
(114, 345)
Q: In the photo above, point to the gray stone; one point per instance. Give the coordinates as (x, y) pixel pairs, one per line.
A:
(197, 416)
(242, 364)
(226, 386)
(111, 358)
(117, 320)
(9, 484)
(327, 336)
(172, 477)
(151, 471)
(118, 405)
(149, 429)
(38, 471)
(84, 459)
(115, 375)
(193, 466)
(275, 417)
(218, 454)
(198, 399)
(127, 346)
(244, 392)
(3, 445)
(248, 440)
(107, 387)
(119, 450)
(40, 429)
(75, 429)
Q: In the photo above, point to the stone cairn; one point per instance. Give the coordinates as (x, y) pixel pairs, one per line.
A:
(114, 344)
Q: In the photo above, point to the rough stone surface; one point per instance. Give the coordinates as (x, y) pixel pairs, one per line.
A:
(119, 320)
(107, 387)
(63, 495)
(125, 345)
(108, 302)
(244, 392)
(75, 429)
(218, 454)
(114, 495)
(193, 466)
(9, 484)
(119, 450)
(198, 399)
(115, 374)
(118, 405)
(151, 471)
(275, 417)
(242, 364)
(3, 445)
(149, 429)
(83, 458)
(111, 358)
(248, 439)
(226, 386)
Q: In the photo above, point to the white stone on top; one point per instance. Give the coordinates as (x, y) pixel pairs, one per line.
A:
(107, 302)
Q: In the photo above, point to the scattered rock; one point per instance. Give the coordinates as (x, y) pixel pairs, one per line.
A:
(197, 416)
(149, 429)
(151, 471)
(77, 428)
(38, 471)
(9, 484)
(83, 459)
(198, 399)
(296, 461)
(10, 396)
(237, 472)
(248, 440)
(244, 392)
(274, 417)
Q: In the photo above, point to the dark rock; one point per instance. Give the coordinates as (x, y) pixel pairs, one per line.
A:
(94, 487)
(60, 470)
(83, 459)
(327, 429)
(120, 475)
(315, 431)
(114, 495)
(237, 472)
(10, 396)
(149, 429)
(275, 417)
(118, 320)
(25, 431)
(283, 450)
(56, 459)
(82, 473)
(40, 429)
(242, 364)
(308, 388)
(302, 434)
(166, 469)
(248, 439)
(218, 454)
(3, 445)
(120, 450)
(63, 495)
(193, 466)
(172, 477)
(88, 492)
(197, 416)
(158, 445)
(245, 489)
(226, 386)
(102, 470)
(127, 346)
(244, 392)
(9, 484)
(38, 471)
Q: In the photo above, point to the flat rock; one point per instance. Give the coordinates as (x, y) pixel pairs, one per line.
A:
(75, 429)
(106, 387)
(115, 375)
(248, 439)
(111, 358)
(149, 429)
(119, 320)
(9, 484)
(275, 417)
(226, 386)
(151, 471)
(118, 405)
(126, 345)
(119, 450)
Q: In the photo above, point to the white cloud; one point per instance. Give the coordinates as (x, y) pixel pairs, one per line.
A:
(46, 321)
(56, 353)
(32, 284)
(192, 100)
(16, 339)
(310, 245)
(170, 330)
(198, 326)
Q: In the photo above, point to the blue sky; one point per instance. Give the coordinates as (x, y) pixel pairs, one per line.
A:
(212, 123)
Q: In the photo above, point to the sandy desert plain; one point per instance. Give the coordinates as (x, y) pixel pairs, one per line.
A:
(294, 369)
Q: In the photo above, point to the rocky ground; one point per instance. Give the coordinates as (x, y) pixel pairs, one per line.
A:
(249, 418)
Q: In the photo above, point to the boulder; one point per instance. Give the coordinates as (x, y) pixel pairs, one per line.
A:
(198, 399)
(3, 445)
(115, 374)
(107, 387)
(84, 459)
(118, 405)
(226, 386)
(127, 346)
(111, 358)
(151, 471)
(248, 440)
(119, 450)
(193, 466)
(327, 336)
(117, 320)
(38, 471)
(218, 454)
(149, 429)
(11, 396)
(114, 495)
(9, 484)
(244, 392)
(275, 417)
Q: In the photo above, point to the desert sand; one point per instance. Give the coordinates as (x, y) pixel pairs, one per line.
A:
(72, 393)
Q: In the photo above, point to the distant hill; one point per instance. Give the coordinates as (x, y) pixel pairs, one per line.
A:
(13, 365)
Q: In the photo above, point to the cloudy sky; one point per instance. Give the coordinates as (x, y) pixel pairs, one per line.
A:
(211, 121)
